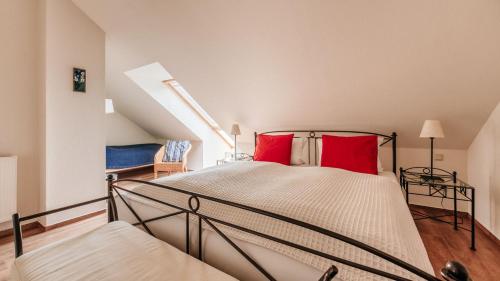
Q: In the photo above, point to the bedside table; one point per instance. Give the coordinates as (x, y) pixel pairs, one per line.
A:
(224, 161)
(442, 184)
(241, 157)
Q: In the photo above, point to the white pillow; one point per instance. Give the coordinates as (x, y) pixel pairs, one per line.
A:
(379, 163)
(299, 152)
(380, 140)
(319, 148)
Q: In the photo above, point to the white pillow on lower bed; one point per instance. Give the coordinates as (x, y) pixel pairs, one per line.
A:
(299, 152)
(319, 144)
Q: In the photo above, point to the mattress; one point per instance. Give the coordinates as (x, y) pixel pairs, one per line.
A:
(115, 251)
(217, 252)
(368, 208)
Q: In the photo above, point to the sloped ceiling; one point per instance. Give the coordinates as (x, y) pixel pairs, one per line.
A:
(382, 65)
(132, 101)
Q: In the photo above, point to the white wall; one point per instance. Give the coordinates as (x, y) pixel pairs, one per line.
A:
(195, 157)
(454, 159)
(484, 172)
(19, 97)
(74, 122)
(121, 131)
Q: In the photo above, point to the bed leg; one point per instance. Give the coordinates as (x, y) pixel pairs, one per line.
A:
(18, 236)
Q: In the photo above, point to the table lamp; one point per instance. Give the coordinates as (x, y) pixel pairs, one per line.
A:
(235, 131)
(432, 129)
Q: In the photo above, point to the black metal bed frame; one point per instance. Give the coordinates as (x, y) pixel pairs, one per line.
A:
(194, 203)
(314, 135)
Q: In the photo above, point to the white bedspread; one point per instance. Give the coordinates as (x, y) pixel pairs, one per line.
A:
(367, 208)
(115, 251)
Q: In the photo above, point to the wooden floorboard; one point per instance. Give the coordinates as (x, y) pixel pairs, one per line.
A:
(441, 241)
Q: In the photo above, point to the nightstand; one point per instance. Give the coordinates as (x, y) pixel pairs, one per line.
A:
(241, 157)
(224, 161)
(442, 184)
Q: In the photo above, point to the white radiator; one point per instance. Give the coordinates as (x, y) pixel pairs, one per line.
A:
(8, 187)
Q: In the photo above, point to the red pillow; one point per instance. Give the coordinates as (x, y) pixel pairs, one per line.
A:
(357, 154)
(274, 148)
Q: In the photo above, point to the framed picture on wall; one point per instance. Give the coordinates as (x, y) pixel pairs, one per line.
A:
(79, 80)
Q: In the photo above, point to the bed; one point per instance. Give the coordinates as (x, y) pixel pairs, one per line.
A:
(115, 251)
(359, 222)
(367, 208)
(254, 221)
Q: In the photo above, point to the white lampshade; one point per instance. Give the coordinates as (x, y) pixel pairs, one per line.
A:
(108, 105)
(235, 130)
(432, 129)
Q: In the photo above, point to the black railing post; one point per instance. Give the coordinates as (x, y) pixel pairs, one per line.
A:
(401, 176)
(394, 158)
(254, 140)
(432, 159)
(309, 150)
(200, 237)
(455, 211)
(112, 216)
(18, 236)
(407, 187)
(473, 221)
(187, 233)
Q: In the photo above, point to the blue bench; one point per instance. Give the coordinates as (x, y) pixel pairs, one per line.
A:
(127, 157)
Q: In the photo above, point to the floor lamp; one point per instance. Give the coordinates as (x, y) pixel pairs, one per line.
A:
(235, 131)
(432, 129)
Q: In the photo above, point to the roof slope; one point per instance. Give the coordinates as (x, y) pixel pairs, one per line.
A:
(368, 65)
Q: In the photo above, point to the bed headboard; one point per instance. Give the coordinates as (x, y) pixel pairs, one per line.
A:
(313, 135)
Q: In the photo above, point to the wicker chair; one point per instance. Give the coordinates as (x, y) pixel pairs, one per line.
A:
(170, 167)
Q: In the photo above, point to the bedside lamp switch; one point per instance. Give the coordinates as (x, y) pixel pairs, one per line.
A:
(439, 157)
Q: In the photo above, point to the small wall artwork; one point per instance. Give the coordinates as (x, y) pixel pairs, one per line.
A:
(79, 80)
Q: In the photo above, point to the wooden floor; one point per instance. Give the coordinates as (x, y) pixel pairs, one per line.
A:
(441, 241)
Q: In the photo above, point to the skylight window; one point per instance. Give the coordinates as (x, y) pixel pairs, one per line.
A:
(155, 81)
(177, 87)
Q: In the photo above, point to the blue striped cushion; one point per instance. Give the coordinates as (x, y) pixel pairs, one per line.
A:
(174, 150)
